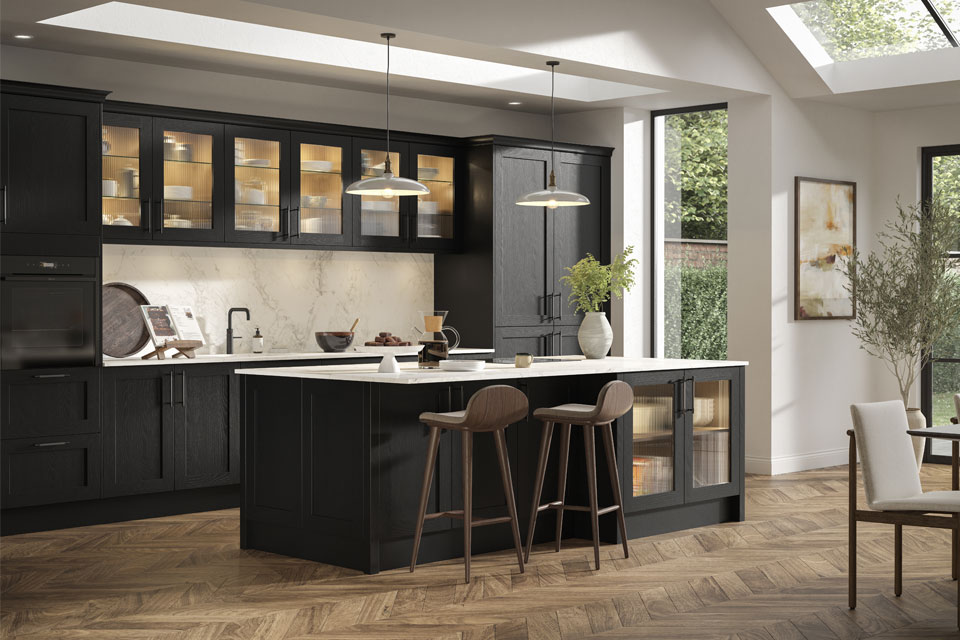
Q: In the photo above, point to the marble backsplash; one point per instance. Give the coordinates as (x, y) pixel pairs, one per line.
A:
(290, 293)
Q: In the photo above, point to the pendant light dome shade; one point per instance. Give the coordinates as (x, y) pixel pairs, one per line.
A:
(551, 197)
(387, 185)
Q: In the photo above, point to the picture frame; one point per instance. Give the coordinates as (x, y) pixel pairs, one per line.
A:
(825, 231)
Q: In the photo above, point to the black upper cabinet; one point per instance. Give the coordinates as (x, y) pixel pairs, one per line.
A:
(381, 222)
(189, 178)
(50, 165)
(322, 166)
(436, 222)
(127, 164)
(257, 193)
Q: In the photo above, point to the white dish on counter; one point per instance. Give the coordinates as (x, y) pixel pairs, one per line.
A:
(462, 365)
(316, 165)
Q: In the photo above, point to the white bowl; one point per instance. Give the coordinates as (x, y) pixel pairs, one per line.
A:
(177, 192)
(257, 162)
(316, 165)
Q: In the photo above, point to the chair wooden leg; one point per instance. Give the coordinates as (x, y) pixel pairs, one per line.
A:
(545, 437)
(591, 455)
(607, 433)
(955, 485)
(432, 445)
(562, 477)
(897, 559)
(507, 480)
(852, 527)
(466, 451)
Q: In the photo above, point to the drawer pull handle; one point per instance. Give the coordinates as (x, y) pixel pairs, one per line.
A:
(52, 375)
(50, 444)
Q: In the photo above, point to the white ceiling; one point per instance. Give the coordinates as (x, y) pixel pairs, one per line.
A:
(639, 53)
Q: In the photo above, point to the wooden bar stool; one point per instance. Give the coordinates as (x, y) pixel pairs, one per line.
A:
(615, 400)
(492, 409)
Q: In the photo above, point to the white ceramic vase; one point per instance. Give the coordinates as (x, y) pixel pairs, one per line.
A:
(916, 420)
(595, 335)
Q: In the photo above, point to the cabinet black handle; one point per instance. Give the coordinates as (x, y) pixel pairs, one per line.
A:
(160, 210)
(692, 392)
(296, 226)
(171, 388)
(4, 216)
(683, 395)
(149, 216)
(50, 444)
(284, 213)
(52, 375)
(559, 306)
(183, 389)
(559, 343)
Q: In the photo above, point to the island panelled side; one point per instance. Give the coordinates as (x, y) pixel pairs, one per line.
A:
(332, 468)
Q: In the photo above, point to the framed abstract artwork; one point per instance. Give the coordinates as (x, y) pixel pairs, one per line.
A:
(825, 212)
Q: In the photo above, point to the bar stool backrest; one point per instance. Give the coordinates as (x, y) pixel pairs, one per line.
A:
(616, 398)
(494, 407)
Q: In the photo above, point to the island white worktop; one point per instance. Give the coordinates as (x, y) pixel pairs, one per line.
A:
(559, 366)
(216, 358)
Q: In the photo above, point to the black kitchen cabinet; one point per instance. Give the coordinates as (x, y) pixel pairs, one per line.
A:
(49, 402)
(436, 222)
(127, 197)
(50, 159)
(505, 286)
(206, 426)
(322, 167)
(49, 470)
(138, 430)
(379, 222)
(170, 427)
(257, 193)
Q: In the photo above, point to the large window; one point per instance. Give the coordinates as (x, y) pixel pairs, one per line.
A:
(690, 232)
(940, 380)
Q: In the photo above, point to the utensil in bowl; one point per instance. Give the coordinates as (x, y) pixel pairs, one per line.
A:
(334, 341)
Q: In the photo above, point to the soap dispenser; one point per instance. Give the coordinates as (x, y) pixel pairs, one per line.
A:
(257, 342)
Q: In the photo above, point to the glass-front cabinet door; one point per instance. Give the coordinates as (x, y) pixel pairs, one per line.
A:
(712, 407)
(190, 175)
(383, 222)
(434, 213)
(257, 205)
(320, 209)
(126, 205)
(651, 437)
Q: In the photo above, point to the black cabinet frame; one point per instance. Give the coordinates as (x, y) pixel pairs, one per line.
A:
(347, 172)
(287, 221)
(144, 126)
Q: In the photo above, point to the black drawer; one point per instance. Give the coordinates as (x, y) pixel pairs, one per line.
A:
(47, 402)
(48, 470)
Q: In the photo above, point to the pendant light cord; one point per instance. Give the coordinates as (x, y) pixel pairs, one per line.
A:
(388, 99)
(553, 124)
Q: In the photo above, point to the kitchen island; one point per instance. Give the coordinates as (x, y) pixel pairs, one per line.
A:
(333, 456)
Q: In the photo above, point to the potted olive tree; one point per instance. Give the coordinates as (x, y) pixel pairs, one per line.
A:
(908, 294)
(591, 285)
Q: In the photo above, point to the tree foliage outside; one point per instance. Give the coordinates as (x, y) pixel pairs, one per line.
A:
(695, 322)
(695, 172)
(855, 29)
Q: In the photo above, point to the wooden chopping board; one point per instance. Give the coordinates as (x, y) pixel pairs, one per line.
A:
(124, 332)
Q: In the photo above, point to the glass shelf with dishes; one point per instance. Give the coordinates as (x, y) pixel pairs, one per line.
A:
(321, 190)
(187, 180)
(654, 429)
(379, 216)
(256, 180)
(435, 209)
(120, 189)
(711, 433)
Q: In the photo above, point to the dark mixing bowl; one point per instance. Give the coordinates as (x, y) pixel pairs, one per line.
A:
(334, 341)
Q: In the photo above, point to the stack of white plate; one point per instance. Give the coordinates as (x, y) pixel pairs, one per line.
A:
(462, 365)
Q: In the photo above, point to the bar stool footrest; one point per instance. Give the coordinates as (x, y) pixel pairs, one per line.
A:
(457, 514)
(559, 506)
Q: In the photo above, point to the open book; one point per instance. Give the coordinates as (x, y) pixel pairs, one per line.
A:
(171, 323)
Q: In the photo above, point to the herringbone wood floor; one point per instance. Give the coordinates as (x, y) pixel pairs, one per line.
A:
(780, 574)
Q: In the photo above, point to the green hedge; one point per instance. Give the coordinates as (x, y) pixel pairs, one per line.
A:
(697, 321)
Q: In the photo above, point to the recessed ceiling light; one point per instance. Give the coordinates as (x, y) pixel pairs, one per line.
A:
(23, 36)
(514, 103)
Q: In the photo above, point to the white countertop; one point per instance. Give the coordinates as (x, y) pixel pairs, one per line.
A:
(215, 358)
(563, 366)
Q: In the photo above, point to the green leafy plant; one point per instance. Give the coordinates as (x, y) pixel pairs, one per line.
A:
(907, 291)
(592, 283)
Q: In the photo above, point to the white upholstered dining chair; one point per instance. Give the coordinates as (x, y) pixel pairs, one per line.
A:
(892, 485)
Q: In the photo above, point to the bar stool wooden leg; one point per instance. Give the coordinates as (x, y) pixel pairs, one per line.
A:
(955, 485)
(607, 433)
(562, 477)
(897, 559)
(432, 445)
(545, 437)
(508, 493)
(591, 455)
(466, 452)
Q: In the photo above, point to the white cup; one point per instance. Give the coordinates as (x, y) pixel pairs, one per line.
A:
(109, 188)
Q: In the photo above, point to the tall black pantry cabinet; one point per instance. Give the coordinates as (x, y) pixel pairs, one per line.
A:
(504, 289)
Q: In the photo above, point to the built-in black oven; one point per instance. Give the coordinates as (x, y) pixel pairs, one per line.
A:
(48, 312)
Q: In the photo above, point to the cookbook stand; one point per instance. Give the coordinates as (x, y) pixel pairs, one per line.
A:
(185, 349)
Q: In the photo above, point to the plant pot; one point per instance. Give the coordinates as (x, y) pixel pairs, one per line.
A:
(595, 335)
(916, 420)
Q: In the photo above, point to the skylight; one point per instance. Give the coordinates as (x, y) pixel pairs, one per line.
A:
(828, 31)
(177, 27)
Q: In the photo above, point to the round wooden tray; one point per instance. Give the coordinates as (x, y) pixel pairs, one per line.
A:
(124, 332)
